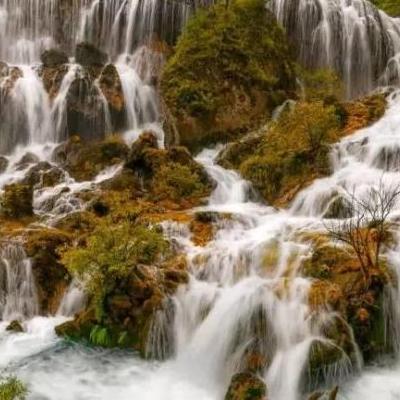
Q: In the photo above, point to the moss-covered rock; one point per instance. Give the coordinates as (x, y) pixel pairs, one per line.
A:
(246, 386)
(132, 272)
(16, 201)
(15, 326)
(231, 68)
(84, 160)
(287, 155)
(171, 174)
(339, 285)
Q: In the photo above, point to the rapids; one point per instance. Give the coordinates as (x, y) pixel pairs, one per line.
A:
(231, 281)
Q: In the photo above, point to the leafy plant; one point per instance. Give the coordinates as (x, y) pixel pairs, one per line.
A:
(109, 255)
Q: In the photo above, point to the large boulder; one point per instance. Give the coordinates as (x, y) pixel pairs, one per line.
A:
(232, 66)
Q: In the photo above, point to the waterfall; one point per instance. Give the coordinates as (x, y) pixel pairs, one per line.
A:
(351, 36)
(18, 299)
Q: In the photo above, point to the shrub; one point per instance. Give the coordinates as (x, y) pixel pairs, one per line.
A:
(174, 181)
(110, 253)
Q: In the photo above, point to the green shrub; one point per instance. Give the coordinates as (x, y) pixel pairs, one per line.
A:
(11, 388)
(174, 181)
(391, 7)
(110, 253)
(293, 150)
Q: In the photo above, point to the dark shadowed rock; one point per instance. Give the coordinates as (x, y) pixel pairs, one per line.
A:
(53, 58)
(3, 164)
(88, 55)
(15, 326)
(26, 159)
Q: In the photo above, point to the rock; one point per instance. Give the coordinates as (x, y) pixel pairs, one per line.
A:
(124, 180)
(328, 395)
(53, 58)
(219, 96)
(43, 174)
(15, 326)
(3, 164)
(111, 87)
(16, 201)
(26, 159)
(84, 160)
(147, 140)
(4, 69)
(338, 208)
(246, 386)
(85, 109)
(88, 55)
(51, 277)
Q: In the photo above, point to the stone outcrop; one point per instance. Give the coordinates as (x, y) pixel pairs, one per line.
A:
(217, 87)
(246, 386)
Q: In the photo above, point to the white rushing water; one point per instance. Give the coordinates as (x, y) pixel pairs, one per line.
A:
(235, 301)
(238, 299)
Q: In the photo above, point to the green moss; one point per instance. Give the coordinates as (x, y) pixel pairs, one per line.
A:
(174, 181)
(231, 66)
(292, 151)
(391, 7)
(16, 201)
(12, 388)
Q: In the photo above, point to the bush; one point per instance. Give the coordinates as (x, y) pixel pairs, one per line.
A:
(174, 181)
(293, 150)
(12, 389)
(110, 253)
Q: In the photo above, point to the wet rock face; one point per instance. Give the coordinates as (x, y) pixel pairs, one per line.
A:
(111, 87)
(51, 277)
(246, 386)
(88, 55)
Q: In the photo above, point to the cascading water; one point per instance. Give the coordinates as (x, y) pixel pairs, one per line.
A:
(353, 37)
(18, 299)
(237, 301)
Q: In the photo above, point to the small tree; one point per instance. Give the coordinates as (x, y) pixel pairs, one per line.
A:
(368, 228)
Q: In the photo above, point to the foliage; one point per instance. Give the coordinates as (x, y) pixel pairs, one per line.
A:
(16, 201)
(110, 253)
(100, 336)
(391, 7)
(294, 149)
(12, 388)
(321, 84)
(174, 181)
